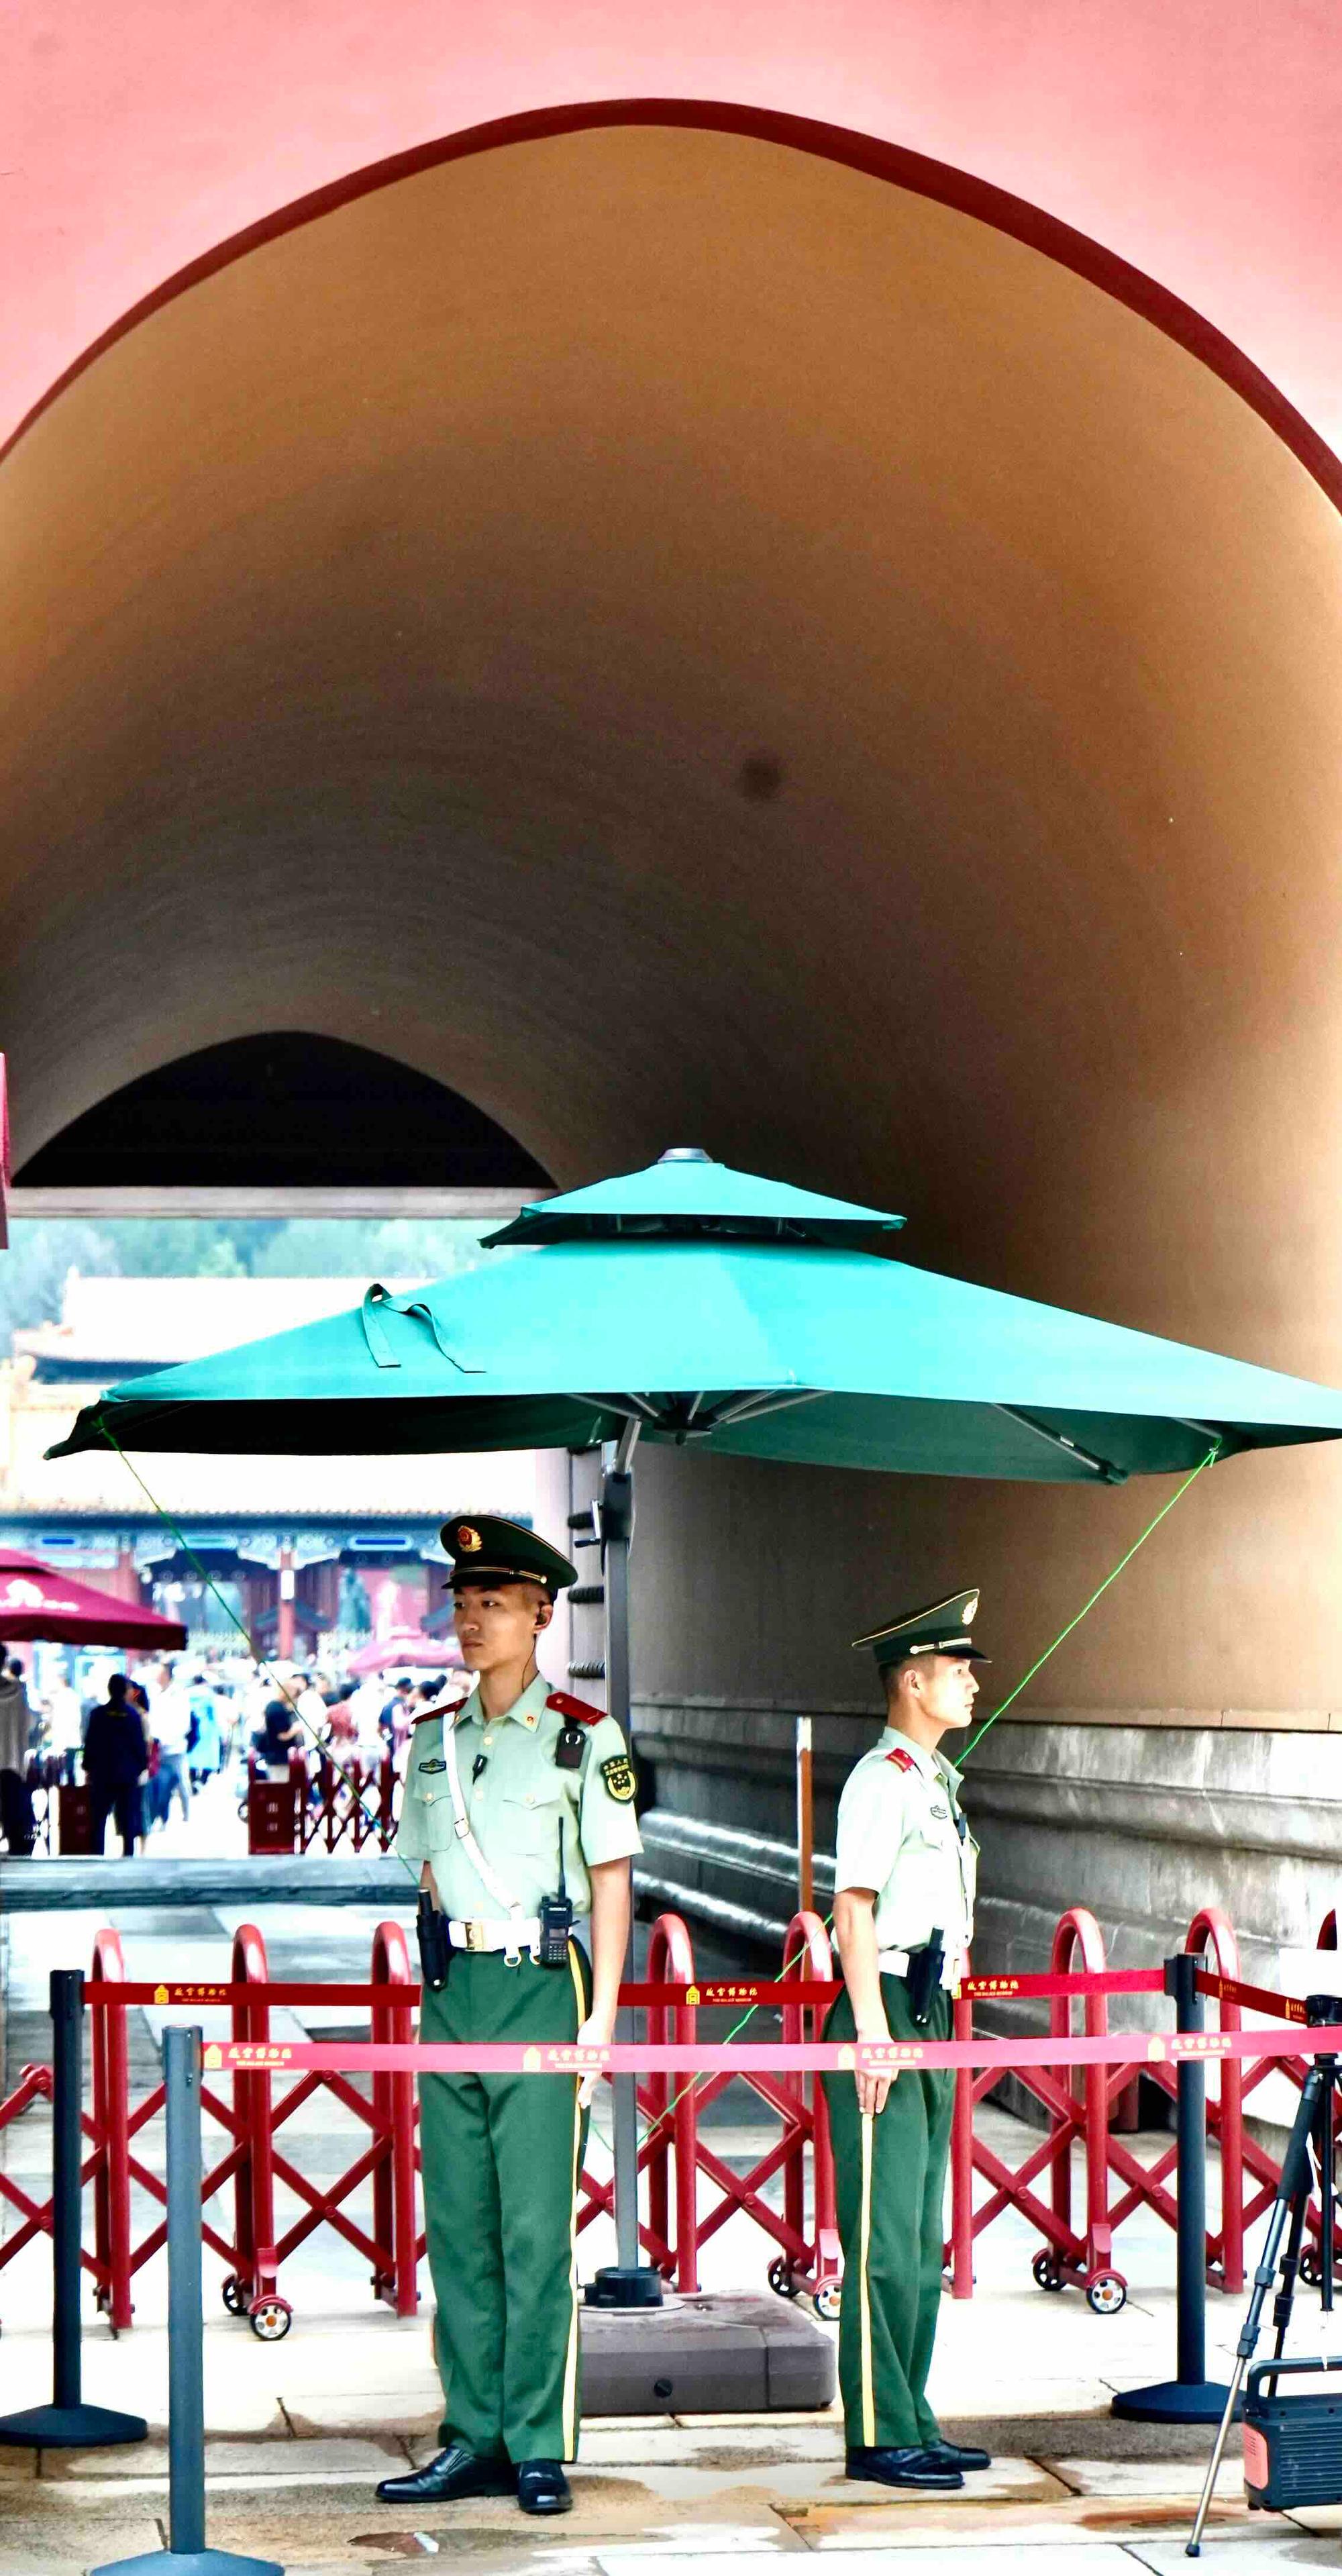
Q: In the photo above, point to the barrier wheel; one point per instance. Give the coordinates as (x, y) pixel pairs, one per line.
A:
(780, 2278)
(270, 2319)
(234, 2296)
(1311, 2267)
(1106, 2294)
(827, 2301)
(1047, 2271)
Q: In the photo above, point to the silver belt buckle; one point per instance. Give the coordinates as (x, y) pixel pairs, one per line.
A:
(475, 1936)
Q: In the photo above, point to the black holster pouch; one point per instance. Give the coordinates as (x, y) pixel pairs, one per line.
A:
(435, 1949)
(922, 1977)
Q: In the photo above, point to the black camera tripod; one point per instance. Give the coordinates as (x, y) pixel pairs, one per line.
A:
(1312, 2128)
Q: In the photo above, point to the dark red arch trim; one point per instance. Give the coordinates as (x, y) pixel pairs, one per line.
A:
(877, 160)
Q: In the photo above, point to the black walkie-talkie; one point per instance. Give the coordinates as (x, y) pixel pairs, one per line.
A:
(555, 1916)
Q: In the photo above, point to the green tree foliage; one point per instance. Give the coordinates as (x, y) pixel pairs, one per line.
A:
(42, 1253)
(335, 1247)
(34, 1270)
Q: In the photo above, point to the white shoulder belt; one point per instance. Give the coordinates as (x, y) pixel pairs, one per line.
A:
(517, 1923)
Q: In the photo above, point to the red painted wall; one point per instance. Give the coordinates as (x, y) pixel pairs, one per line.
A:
(1198, 138)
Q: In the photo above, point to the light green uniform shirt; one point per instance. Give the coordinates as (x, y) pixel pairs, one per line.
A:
(897, 1833)
(519, 1805)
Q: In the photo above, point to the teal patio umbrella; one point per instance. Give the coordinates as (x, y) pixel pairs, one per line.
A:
(693, 1304)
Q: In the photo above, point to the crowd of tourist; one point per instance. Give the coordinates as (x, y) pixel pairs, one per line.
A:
(148, 1740)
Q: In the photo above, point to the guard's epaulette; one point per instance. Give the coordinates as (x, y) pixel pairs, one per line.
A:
(579, 1711)
(447, 1708)
(903, 1761)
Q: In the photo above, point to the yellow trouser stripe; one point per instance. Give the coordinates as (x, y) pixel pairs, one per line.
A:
(571, 2362)
(864, 2290)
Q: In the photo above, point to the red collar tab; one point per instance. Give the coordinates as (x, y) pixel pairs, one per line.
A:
(579, 1711)
(902, 1761)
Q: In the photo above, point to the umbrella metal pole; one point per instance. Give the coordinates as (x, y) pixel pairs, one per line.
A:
(628, 2283)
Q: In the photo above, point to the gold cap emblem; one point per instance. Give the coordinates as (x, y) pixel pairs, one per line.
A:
(469, 1540)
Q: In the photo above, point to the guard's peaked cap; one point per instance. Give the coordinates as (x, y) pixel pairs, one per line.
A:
(485, 1549)
(940, 1628)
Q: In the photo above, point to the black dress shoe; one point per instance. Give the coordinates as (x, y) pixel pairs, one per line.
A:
(456, 2472)
(962, 2455)
(915, 2466)
(543, 2488)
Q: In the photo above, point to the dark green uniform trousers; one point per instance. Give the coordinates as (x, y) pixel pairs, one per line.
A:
(501, 2157)
(890, 2175)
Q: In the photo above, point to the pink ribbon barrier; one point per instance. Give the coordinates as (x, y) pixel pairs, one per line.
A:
(743, 2057)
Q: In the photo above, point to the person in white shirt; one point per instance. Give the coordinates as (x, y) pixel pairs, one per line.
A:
(170, 1721)
(308, 1704)
(65, 1717)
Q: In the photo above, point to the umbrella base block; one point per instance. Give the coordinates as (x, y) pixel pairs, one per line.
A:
(705, 2356)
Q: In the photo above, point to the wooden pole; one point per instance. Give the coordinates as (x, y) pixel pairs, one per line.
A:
(805, 1843)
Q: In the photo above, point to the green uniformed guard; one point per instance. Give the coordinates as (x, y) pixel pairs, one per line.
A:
(903, 1920)
(521, 1808)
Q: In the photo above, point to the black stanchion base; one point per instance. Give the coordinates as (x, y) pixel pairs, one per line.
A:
(189, 2562)
(70, 2428)
(632, 2285)
(1175, 2401)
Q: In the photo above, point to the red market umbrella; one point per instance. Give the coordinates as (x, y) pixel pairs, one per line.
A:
(409, 1647)
(37, 1600)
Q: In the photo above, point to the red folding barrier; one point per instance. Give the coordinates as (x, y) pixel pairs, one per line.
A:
(1212, 1932)
(1077, 2105)
(111, 2129)
(671, 2119)
(337, 1802)
(806, 2260)
(806, 1950)
(1241, 2154)
(348, 1801)
(34, 2085)
(114, 2128)
(796, 2169)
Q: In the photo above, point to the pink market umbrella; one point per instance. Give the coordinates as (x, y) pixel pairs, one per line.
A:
(38, 1600)
(409, 1647)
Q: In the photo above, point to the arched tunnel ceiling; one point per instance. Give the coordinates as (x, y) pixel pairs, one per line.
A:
(677, 637)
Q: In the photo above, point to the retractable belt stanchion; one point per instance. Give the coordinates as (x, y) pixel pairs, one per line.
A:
(1190, 2397)
(67, 2423)
(186, 2551)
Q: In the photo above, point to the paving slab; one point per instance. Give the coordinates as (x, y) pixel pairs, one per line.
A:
(1130, 2478)
(490, 2530)
(1316, 2517)
(932, 2522)
(1243, 2554)
(397, 2413)
(955, 2558)
(745, 2449)
(43, 2532)
(288, 2464)
(752, 2541)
